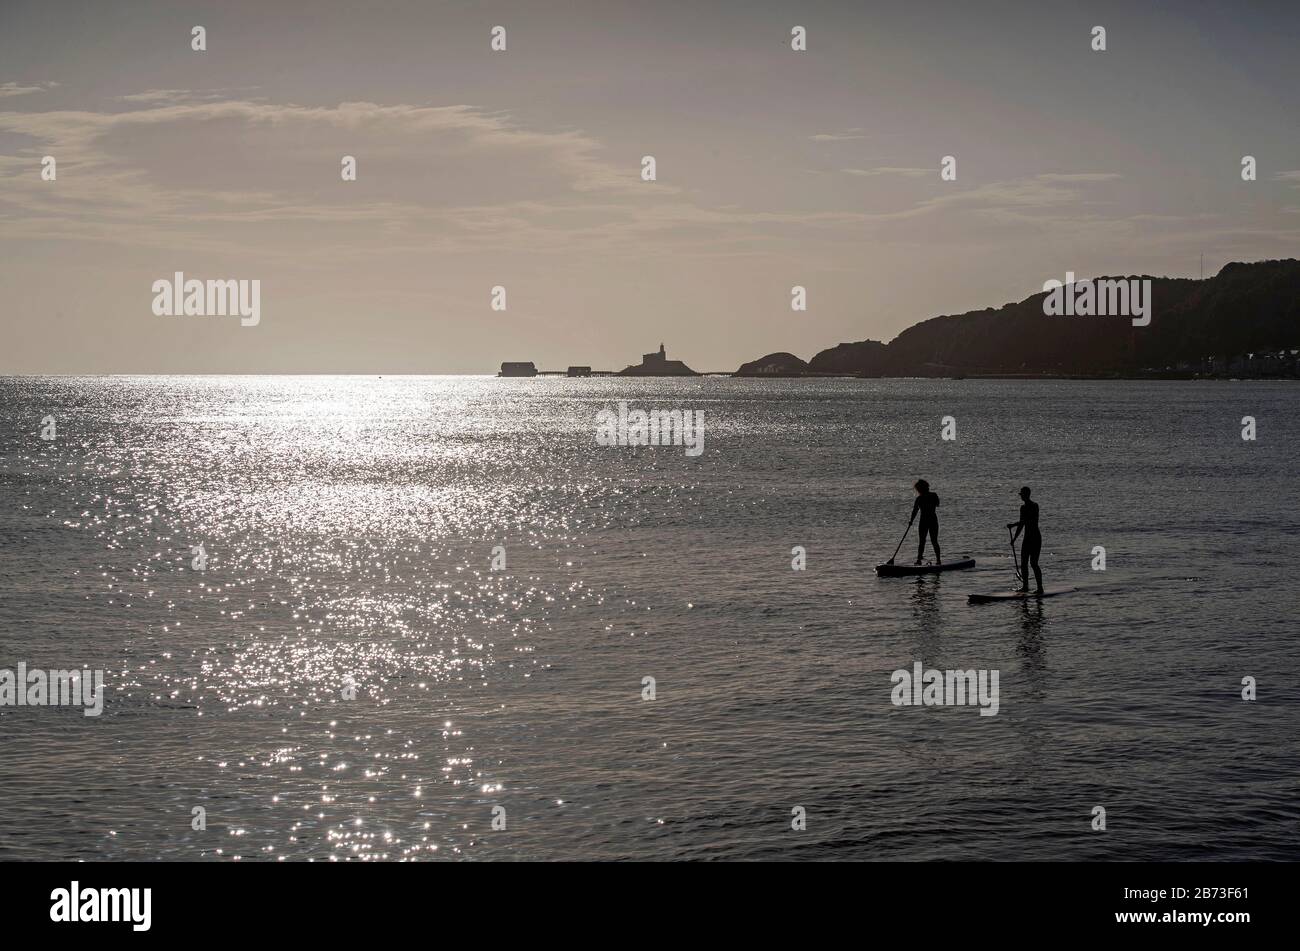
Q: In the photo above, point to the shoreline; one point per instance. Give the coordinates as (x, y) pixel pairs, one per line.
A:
(1171, 377)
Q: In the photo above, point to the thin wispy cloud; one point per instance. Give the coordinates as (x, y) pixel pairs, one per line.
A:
(184, 95)
(891, 170)
(135, 174)
(18, 89)
(120, 176)
(1079, 177)
(848, 135)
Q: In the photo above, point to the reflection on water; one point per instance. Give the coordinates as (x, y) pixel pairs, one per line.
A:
(1032, 649)
(348, 677)
(926, 619)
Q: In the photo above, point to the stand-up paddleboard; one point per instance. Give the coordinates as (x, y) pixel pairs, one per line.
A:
(892, 571)
(1018, 595)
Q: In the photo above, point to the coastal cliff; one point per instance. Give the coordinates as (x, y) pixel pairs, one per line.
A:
(774, 364)
(1246, 316)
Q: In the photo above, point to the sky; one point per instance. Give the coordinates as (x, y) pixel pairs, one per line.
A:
(522, 169)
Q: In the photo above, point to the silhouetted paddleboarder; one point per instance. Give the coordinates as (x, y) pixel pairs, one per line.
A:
(1033, 543)
(926, 503)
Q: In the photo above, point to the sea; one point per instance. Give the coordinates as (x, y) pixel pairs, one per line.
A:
(359, 618)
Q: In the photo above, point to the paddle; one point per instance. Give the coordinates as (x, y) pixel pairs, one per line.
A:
(900, 544)
(1015, 565)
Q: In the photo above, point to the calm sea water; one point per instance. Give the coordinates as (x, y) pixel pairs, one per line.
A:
(349, 525)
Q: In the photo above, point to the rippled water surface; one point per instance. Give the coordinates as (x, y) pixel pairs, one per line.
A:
(349, 525)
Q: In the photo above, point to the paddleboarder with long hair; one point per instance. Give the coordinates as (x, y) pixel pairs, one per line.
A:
(927, 505)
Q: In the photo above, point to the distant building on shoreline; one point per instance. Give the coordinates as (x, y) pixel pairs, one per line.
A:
(658, 364)
(652, 364)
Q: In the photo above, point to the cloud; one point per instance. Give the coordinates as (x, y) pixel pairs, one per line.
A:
(182, 169)
(1079, 177)
(1019, 194)
(184, 172)
(886, 170)
(181, 95)
(13, 89)
(847, 135)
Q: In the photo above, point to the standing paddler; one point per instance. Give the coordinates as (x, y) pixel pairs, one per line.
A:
(1033, 541)
(927, 504)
